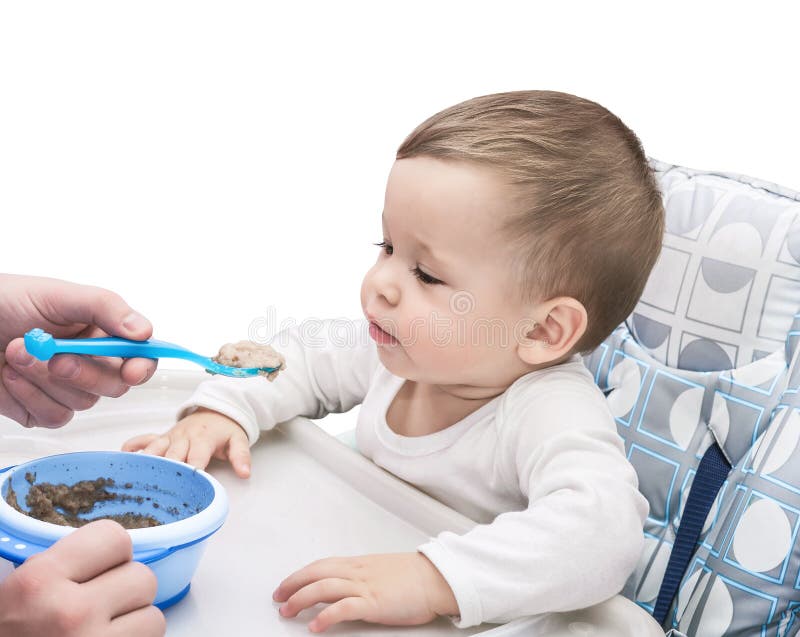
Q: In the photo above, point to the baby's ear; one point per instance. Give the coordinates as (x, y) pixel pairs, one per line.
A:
(552, 337)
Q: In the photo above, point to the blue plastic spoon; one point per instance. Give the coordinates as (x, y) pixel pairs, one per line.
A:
(43, 346)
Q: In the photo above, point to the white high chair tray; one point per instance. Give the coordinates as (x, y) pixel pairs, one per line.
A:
(310, 496)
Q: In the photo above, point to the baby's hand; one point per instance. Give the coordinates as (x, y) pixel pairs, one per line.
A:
(398, 589)
(198, 437)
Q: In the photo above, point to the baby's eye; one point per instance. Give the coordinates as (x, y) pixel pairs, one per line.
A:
(386, 247)
(427, 279)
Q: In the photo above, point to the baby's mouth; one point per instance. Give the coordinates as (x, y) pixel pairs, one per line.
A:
(381, 336)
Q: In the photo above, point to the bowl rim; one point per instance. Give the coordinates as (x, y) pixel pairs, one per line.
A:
(160, 537)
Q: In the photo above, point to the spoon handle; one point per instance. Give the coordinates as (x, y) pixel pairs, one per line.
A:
(43, 346)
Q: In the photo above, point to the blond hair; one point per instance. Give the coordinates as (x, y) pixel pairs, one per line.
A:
(589, 220)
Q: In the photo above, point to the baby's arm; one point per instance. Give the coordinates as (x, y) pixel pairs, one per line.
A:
(580, 536)
(328, 368)
(572, 547)
(329, 365)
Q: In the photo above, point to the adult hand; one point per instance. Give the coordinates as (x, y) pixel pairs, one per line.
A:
(85, 585)
(38, 394)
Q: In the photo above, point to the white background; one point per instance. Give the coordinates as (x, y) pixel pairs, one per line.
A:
(219, 163)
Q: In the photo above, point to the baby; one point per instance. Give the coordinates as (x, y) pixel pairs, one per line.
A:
(518, 231)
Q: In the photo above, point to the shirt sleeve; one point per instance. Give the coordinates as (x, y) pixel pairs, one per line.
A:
(580, 536)
(329, 364)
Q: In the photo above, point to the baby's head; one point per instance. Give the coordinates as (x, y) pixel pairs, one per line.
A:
(518, 229)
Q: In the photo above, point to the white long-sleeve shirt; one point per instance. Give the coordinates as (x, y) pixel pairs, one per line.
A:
(539, 467)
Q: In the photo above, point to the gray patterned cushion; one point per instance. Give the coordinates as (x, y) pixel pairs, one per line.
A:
(744, 577)
(706, 356)
(726, 285)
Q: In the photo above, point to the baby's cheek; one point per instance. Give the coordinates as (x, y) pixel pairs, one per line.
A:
(444, 356)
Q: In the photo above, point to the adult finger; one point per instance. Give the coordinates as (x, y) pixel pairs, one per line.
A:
(75, 303)
(90, 551)
(144, 622)
(100, 377)
(40, 409)
(124, 588)
(331, 589)
(137, 371)
(38, 373)
(349, 609)
(9, 406)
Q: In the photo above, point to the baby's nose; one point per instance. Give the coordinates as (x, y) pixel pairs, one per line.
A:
(390, 292)
(384, 283)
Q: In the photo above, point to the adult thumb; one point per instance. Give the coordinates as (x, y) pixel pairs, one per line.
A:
(97, 306)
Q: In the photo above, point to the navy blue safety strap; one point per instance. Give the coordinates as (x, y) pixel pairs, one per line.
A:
(711, 473)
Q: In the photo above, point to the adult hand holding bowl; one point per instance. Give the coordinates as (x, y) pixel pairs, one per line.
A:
(80, 569)
(190, 506)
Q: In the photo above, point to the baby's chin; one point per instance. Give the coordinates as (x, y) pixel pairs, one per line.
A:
(394, 360)
(401, 363)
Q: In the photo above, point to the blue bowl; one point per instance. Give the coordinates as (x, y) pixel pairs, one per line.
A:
(190, 504)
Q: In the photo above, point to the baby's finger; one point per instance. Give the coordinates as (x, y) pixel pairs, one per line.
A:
(158, 447)
(139, 442)
(327, 567)
(178, 448)
(331, 589)
(200, 452)
(349, 609)
(239, 454)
